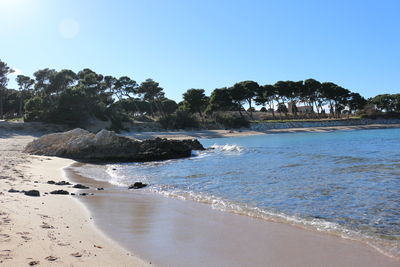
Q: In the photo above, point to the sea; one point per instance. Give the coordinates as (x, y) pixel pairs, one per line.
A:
(344, 183)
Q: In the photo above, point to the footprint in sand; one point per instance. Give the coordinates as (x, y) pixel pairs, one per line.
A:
(51, 258)
(4, 238)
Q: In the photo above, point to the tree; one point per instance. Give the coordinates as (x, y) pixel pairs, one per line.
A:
(385, 102)
(356, 102)
(153, 93)
(221, 100)
(25, 84)
(4, 71)
(195, 101)
(266, 95)
(311, 93)
(244, 91)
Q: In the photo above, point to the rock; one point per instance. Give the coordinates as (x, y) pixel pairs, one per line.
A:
(33, 263)
(13, 191)
(108, 146)
(63, 183)
(137, 185)
(51, 182)
(72, 194)
(100, 188)
(194, 144)
(83, 194)
(81, 186)
(59, 192)
(32, 193)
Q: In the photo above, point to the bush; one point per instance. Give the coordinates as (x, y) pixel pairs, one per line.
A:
(179, 120)
(232, 121)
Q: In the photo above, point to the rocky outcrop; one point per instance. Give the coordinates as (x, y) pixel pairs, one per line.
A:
(194, 144)
(108, 146)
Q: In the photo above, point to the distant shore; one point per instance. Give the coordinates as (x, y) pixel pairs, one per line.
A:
(208, 134)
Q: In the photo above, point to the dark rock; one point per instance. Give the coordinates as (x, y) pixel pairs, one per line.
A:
(51, 182)
(59, 192)
(72, 194)
(194, 144)
(32, 193)
(13, 191)
(36, 182)
(83, 194)
(137, 185)
(63, 183)
(81, 186)
(108, 146)
(100, 188)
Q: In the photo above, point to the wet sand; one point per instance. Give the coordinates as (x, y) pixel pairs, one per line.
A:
(175, 232)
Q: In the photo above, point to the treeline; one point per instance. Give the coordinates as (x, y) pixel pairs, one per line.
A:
(75, 98)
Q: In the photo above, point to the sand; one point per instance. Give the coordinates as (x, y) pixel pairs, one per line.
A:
(50, 229)
(59, 230)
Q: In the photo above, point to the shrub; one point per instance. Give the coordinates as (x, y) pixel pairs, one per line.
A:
(232, 121)
(179, 120)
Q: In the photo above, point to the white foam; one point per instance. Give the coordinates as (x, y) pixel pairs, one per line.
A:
(228, 148)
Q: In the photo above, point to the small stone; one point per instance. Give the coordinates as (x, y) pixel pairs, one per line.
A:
(13, 191)
(32, 263)
(100, 188)
(36, 182)
(63, 183)
(59, 192)
(32, 193)
(72, 194)
(83, 194)
(51, 182)
(137, 185)
(81, 186)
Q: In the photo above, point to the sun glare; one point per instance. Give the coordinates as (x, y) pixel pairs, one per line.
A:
(69, 28)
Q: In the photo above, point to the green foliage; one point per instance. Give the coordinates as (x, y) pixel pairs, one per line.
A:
(232, 121)
(195, 101)
(179, 120)
(34, 109)
(221, 100)
(387, 102)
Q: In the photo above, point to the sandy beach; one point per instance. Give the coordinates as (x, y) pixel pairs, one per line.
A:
(51, 229)
(75, 231)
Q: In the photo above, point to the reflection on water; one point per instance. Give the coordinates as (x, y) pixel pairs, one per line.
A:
(341, 181)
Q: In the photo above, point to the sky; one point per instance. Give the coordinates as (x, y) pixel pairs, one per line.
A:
(208, 44)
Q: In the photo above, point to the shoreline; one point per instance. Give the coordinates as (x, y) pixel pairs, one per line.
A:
(50, 229)
(210, 134)
(178, 228)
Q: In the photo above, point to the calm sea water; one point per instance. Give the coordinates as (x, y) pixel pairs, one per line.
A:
(345, 182)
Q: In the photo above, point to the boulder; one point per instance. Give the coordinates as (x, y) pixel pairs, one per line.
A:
(137, 185)
(108, 146)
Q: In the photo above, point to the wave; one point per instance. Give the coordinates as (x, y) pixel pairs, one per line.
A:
(228, 148)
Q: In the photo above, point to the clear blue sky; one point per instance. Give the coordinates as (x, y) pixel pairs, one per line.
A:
(208, 44)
